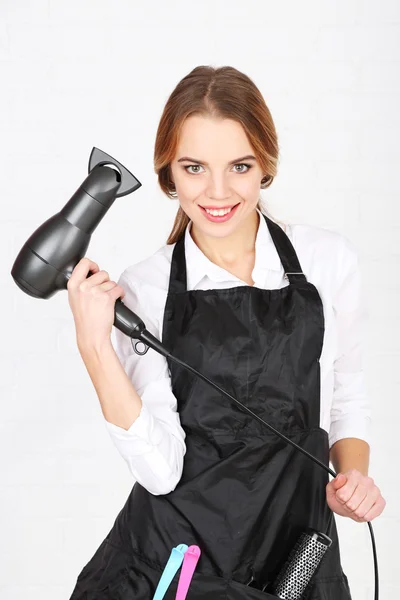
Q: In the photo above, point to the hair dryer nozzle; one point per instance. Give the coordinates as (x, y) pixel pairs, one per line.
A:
(129, 182)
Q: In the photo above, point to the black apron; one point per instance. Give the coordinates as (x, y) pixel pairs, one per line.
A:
(245, 495)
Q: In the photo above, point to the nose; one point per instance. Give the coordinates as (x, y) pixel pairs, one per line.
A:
(218, 188)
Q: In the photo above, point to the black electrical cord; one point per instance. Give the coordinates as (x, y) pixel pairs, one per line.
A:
(148, 339)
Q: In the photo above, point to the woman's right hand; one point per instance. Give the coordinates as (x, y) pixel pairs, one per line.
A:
(92, 301)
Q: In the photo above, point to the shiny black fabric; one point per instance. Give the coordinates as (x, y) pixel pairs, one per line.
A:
(245, 495)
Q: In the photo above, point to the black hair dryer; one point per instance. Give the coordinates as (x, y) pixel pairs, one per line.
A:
(47, 259)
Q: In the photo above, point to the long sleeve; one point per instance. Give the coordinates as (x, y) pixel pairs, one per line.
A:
(350, 411)
(154, 445)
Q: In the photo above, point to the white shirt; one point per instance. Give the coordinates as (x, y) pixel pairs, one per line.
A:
(154, 446)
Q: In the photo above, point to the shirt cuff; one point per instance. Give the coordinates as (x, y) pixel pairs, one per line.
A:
(352, 427)
(141, 437)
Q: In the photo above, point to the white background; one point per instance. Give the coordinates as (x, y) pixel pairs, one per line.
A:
(75, 75)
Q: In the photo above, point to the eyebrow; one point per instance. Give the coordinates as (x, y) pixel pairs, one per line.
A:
(202, 162)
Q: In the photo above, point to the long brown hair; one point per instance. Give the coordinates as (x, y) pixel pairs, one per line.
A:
(224, 93)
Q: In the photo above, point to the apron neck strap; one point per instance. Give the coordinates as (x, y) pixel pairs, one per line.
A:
(283, 245)
(286, 251)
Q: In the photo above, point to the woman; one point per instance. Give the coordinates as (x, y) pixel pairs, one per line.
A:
(270, 313)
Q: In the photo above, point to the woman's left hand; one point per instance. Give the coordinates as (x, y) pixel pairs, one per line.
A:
(352, 494)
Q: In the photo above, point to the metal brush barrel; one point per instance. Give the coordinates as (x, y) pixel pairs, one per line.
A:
(301, 565)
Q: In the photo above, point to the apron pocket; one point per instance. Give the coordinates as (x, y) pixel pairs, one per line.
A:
(330, 588)
(113, 574)
(239, 591)
(202, 587)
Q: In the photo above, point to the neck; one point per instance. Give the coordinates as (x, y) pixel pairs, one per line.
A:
(231, 249)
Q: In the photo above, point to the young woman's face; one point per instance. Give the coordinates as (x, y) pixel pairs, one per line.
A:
(213, 177)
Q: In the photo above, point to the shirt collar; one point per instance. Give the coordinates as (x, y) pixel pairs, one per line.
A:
(198, 265)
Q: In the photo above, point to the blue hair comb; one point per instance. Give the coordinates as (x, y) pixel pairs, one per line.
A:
(174, 562)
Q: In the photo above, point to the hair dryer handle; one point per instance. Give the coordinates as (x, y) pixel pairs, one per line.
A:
(127, 321)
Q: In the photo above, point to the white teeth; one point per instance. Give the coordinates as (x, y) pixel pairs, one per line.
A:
(218, 213)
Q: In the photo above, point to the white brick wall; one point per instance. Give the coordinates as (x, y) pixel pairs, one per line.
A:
(94, 73)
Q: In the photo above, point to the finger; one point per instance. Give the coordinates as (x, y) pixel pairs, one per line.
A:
(359, 496)
(345, 493)
(109, 286)
(339, 481)
(367, 503)
(106, 286)
(117, 292)
(81, 271)
(376, 510)
(94, 280)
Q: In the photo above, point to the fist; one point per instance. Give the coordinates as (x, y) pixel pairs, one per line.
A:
(355, 495)
(92, 296)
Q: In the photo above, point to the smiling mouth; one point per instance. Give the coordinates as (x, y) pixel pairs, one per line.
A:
(215, 210)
